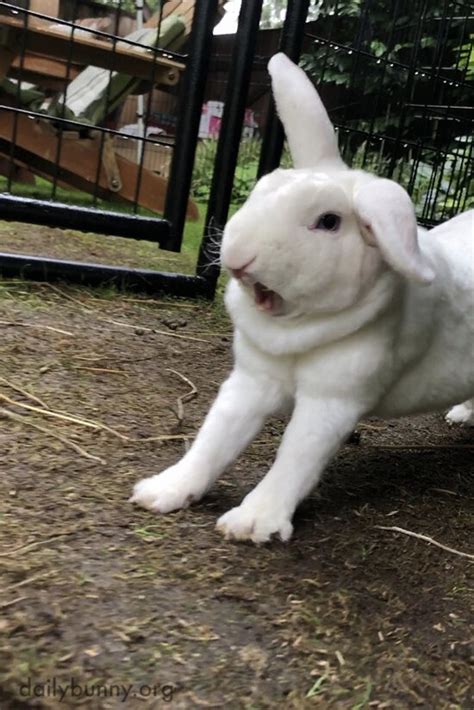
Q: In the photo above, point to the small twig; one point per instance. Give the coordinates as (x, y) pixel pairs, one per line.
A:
(104, 370)
(426, 539)
(31, 545)
(444, 490)
(65, 295)
(170, 334)
(28, 395)
(115, 360)
(38, 327)
(154, 302)
(98, 426)
(58, 415)
(5, 605)
(185, 397)
(216, 333)
(167, 437)
(67, 442)
(90, 358)
(24, 582)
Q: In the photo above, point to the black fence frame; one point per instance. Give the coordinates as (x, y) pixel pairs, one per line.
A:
(167, 232)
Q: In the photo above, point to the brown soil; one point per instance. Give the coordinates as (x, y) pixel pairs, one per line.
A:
(93, 589)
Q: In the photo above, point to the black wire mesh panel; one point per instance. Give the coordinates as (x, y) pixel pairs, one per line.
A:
(61, 126)
(65, 88)
(398, 79)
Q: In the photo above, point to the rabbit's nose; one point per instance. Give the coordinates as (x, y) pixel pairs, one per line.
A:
(240, 271)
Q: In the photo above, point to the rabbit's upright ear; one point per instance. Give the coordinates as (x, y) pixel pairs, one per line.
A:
(387, 221)
(309, 131)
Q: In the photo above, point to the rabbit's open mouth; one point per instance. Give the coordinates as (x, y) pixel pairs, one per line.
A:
(266, 299)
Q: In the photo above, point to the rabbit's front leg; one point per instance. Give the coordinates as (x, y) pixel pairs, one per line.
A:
(316, 431)
(235, 418)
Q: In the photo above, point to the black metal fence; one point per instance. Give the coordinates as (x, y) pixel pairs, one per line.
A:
(61, 130)
(397, 78)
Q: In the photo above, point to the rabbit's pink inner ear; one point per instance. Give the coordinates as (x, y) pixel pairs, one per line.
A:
(368, 234)
(387, 220)
(310, 133)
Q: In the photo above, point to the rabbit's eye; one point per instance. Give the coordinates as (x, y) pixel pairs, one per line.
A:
(329, 222)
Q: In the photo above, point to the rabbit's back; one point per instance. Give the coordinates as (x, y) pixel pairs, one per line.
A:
(438, 326)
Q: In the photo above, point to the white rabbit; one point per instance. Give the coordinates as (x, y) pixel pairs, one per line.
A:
(342, 309)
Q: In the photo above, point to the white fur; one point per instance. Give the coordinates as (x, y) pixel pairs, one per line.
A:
(462, 414)
(374, 318)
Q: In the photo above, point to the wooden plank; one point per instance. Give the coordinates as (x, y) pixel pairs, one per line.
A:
(35, 68)
(169, 8)
(46, 7)
(36, 146)
(83, 50)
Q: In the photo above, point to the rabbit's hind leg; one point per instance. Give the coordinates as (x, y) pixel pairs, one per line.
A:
(462, 413)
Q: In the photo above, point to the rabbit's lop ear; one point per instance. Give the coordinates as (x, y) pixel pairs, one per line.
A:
(388, 221)
(309, 131)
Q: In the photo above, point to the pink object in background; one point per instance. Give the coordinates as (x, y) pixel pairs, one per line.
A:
(211, 119)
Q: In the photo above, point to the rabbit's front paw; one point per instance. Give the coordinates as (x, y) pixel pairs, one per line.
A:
(256, 521)
(171, 490)
(461, 414)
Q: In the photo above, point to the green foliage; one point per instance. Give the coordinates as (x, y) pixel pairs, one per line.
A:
(466, 58)
(438, 187)
(245, 174)
(387, 47)
(274, 11)
(363, 61)
(203, 169)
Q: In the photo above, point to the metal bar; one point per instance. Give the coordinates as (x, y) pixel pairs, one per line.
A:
(78, 125)
(67, 79)
(189, 116)
(138, 280)
(56, 214)
(229, 137)
(145, 117)
(291, 42)
(98, 34)
(103, 137)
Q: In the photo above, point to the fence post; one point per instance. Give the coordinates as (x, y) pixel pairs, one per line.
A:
(229, 138)
(189, 115)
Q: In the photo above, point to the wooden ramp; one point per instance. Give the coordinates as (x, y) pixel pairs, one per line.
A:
(35, 144)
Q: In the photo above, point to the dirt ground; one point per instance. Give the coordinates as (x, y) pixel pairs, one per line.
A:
(107, 605)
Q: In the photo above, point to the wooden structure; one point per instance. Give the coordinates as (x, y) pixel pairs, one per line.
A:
(81, 163)
(54, 44)
(44, 48)
(90, 164)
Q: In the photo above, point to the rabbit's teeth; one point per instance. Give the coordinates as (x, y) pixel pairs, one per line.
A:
(265, 298)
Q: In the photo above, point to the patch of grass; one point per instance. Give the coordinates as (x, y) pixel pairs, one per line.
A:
(363, 702)
(43, 189)
(317, 686)
(149, 533)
